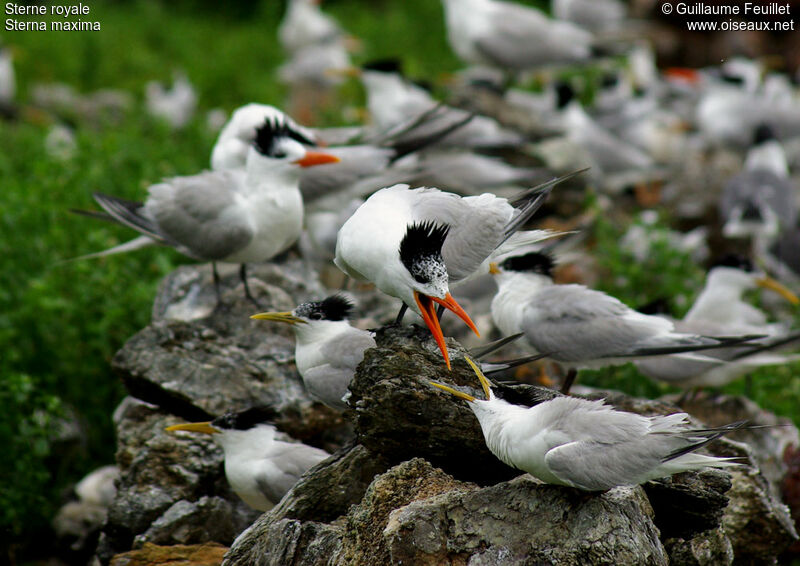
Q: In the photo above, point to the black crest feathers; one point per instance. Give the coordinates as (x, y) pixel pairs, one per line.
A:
(735, 261)
(389, 65)
(274, 128)
(335, 307)
(423, 241)
(535, 262)
(247, 419)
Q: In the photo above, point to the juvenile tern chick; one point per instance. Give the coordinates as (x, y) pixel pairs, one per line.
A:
(328, 349)
(589, 445)
(580, 327)
(235, 216)
(413, 243)
(259, 468)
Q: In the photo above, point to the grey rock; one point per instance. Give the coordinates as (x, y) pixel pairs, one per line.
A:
(757, 523)
(322, 495)
(767, 444)
(157, 469)
(709, 548)
(417, 514)
(288, 541)
(209, 519)
(394, 403)
(552, 525)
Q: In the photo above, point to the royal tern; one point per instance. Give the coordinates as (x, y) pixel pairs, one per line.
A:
(720, 309)
(360, 169)
(592, 15)
(580, 327)
(236, 137)
(305, 25)
(587, 444)
(235, 216)
(721, 299)
(511, 36)
(413, 243)
(392, 99)
(176, 105)
(759, 202)
(259, 467)
(328, 348)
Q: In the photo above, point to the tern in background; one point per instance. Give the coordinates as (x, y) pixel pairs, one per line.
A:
(759, 202)
(259, 467)
(235, 216)
(360, 169)
(720, 309)
(414, 243)
(512, 37)
(328, 348)
(586, 444)
(176, 105)
(392, 99)
(305, 25)
(580, 327)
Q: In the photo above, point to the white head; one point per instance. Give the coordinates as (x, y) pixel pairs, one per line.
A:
(733, 274)
(238, 134)
(280, 150)
(314, 320)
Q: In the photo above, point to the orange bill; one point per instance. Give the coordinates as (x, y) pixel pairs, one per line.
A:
(428, 312)
(450, 303)
(313, 158)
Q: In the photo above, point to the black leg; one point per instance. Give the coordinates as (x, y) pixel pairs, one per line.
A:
(439, 312)
(569, 379)
(401, 314)
(243, 277)
(217, 282)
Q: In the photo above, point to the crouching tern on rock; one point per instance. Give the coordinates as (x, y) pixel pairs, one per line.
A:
(587, 444)
(259, 467)
(328, 349)
(414, 243)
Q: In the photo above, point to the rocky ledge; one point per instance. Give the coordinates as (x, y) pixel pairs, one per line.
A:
(410, 480)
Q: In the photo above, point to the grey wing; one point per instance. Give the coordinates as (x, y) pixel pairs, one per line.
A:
(597, 466)
(612, 447)
(476, 233)
(201, 214)
(328, 383)
(357, 162)
(521, 37)
(289, 462)
(573, 323)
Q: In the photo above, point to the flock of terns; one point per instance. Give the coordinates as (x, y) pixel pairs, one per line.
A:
(274, 183)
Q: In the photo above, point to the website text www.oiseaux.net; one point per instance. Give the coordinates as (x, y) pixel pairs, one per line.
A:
(752, 16)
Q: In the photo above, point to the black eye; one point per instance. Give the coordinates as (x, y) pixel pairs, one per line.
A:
(315, 316)
(279, 154)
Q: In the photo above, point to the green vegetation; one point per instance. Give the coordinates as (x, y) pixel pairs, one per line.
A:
(61, 322)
